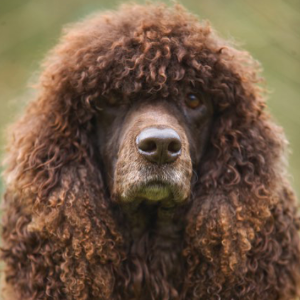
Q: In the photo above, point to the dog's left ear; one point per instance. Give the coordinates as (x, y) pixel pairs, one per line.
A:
(243, 200)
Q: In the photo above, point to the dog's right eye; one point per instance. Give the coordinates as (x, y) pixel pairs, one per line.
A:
(193, 101)
(112, 100)
(116, 101)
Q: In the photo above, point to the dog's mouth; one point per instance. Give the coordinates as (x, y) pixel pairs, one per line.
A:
(152, 195)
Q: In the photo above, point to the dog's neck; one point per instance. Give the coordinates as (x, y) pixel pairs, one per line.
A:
(154, 242)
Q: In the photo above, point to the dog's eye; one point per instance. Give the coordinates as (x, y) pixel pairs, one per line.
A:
(116, 101)
(112, 100)
(193, 101)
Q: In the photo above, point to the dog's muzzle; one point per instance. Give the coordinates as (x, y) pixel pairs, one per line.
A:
(154, 162)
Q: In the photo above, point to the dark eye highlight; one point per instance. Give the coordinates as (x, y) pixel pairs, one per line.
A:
(193, 101)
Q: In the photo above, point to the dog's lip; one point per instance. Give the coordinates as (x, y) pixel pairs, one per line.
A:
(156, 183)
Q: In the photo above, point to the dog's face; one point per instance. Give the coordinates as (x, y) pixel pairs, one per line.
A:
(150, 146)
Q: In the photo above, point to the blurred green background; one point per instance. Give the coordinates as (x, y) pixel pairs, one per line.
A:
(268, 29)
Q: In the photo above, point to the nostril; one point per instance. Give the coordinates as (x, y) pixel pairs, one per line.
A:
(147, 145)
(174, 146)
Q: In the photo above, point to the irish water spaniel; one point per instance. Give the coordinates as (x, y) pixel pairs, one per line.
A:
(147, 168)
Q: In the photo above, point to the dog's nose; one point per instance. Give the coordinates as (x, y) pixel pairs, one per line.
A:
(160, 146)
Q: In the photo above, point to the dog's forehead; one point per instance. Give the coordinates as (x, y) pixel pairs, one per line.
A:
(162, 112)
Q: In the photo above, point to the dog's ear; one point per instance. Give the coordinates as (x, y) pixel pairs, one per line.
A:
(55, 200)
(243, 200)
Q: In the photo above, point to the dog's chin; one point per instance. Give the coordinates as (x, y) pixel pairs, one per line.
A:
(160, 192)
(154, 191)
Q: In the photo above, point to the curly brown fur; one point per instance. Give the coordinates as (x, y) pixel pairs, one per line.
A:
(65, 234)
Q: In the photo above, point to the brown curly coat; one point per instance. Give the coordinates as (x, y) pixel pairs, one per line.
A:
(62, 239)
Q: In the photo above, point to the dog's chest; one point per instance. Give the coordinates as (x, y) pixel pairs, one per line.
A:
(154, 266)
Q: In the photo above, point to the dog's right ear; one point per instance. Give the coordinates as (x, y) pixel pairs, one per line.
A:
(57, 225)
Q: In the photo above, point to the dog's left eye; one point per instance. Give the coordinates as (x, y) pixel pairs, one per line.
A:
(193, 101)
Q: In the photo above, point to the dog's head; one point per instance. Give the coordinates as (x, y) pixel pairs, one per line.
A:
(142, 103)
(144, 100)
(148, 82)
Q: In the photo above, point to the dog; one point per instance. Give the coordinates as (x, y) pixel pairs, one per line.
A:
(148, 168)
